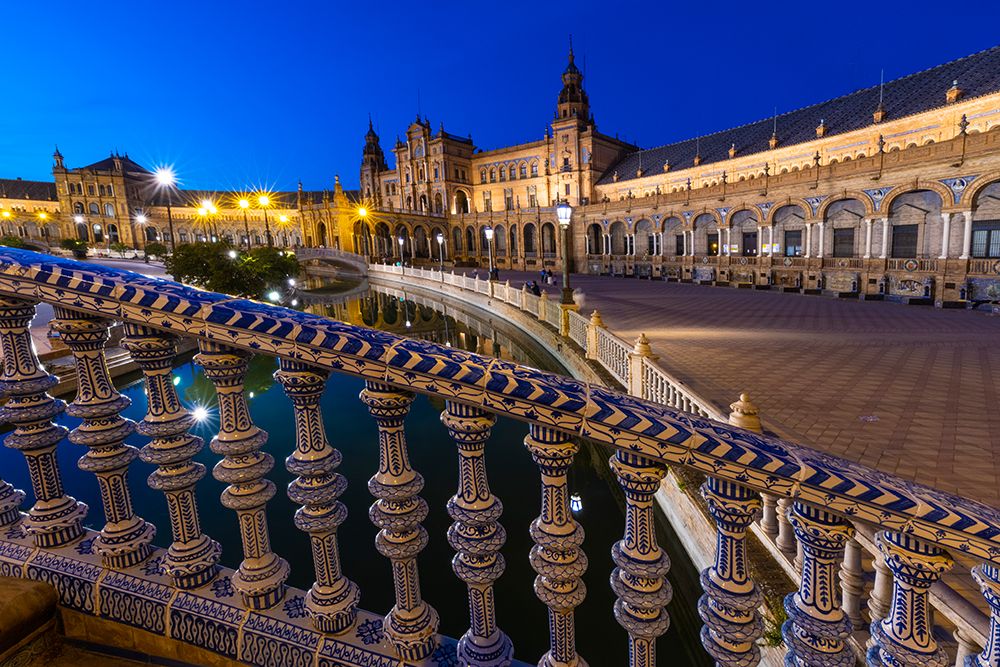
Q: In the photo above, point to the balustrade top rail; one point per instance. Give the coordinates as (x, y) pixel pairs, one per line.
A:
(589, 411)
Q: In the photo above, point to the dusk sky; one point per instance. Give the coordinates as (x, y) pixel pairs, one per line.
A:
(259, 93)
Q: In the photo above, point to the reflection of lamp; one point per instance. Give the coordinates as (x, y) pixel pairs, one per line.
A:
(564, 213)
(576, 502)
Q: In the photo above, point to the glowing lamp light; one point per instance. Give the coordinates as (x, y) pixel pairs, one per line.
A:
(264, 200)
(489, 233)
(274, 296)
(42, 215)
(291, 282)
(213, 210)
(244, 203)
(200, 413)
(408, 324)
(76, 218)
(6, 214)
(165, 176)
(362, 212)
(295, 302)
(232, 254)
(282, 218)
(564, 212)
(177, 380)
(141, 218)
(250, 395)
(401, 241)
(576, 502)
(440, 239)
(203, 212)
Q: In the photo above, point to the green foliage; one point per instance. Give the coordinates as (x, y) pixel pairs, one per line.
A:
(156, 249)
(13, 242)
(78, 247)
(773, 620)
(250, 274)
(120, 248)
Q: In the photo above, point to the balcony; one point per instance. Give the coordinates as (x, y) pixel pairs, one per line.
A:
(181, 593)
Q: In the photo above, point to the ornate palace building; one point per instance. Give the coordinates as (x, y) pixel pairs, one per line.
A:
(890, 191)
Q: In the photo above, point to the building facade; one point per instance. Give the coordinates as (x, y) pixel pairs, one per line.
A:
(890, 191)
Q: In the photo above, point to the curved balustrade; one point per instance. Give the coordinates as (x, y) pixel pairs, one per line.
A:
(251, 615)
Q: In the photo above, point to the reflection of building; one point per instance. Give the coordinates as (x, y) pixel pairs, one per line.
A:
(892, 189)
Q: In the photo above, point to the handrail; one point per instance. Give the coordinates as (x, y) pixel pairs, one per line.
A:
(738, 461)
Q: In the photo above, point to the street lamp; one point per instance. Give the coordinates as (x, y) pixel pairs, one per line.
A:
(564, 212)
(167, 179)
(402, 256)
(245, 204)
(139, 219)
(489, 250)
(264, 202)
(440, 240)
(365, 242)
(282, 221)
(43, 217)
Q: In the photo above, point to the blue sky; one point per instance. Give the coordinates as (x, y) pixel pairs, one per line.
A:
(257, 93)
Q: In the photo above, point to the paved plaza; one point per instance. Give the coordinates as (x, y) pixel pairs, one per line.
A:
(910, 390)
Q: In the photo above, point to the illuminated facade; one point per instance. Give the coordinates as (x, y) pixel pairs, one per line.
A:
(888, 191)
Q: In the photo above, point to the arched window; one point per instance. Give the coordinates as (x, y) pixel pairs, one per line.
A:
(78, 207)
(530, 248)
(461, 202)
(438, 203)
(109, 210)
(482, 175)
(94, 209)
(493, 175)
(524, 170)
(503, 174)
(113, 233)
(513, 239)
(534, 168)
(111, 191)
(512, 172)
(470, 241)
(98, 234)
(423, 203)
(548, 240)
(456, 241)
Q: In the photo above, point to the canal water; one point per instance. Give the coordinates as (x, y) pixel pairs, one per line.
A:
(512, 476)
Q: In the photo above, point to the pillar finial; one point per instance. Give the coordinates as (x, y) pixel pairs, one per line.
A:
(745, 414)
(595, 319)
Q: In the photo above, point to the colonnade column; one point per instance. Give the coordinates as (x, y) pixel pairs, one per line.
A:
(885, 238)
(55, 518)
(125, 538)
(411, 624)
(639, 580)
(906, 636)
(945, 234)
(260, 579)
(868, 238)
(729, 606)
(729, 240)
(852, 582)
(820, 249)
(557, 556)
(192, 558)
(770, 241)
(332, 600)
(477, 536)
(760, 240)
(967, 235)
(809, 227)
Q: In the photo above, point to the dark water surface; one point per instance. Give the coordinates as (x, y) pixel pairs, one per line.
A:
(512, 475)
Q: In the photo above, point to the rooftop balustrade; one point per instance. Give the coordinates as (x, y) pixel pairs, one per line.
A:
(109, 573)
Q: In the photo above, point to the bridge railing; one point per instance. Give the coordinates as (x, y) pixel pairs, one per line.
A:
(245, 614)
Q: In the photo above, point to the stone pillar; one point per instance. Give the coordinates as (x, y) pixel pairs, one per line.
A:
(906, 637)
(332, 600)
(770, 241)
(641, 351)
(729, 240)
(477, 536)
(967, 650)
(868, 238)
(192, 558)
(817, 629)
(945, 234)
(55, 518)
(852, 583)
(809, 227)
(786, 536)
(125, 537)
(639, 580)
(729, 606)
(595, 323)
(398, 511)
(881, 595)
(820, 249)
(557, 556)
(967, 235)
(988, 577)
(760, 240)
(260, 579)
(885, 238)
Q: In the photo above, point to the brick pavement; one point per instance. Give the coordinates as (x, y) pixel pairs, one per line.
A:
(910, 390)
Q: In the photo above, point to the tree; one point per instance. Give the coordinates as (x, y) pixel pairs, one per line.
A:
(120, 248)
(214, 267)
(156, 250)
(78, 247)
(13, 242)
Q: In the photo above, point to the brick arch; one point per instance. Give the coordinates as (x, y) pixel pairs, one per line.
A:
(801, 203)
(711, 212)
(940, 189)
(977, 186)
(865, 200)
(742, 207)
(667, 218)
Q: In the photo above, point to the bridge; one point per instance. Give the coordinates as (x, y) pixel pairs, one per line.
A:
(333, 256)
(177, 591)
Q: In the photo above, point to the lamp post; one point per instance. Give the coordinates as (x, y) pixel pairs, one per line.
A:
(6, 219)
(282, 221)
(43, 217)
(79, 220)
(264, 202)
(245, 204)
(165, 178)
(402, 252)
(363, 240)
(440, 240)
(489, 250)
(564, 212)
(139, 219)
